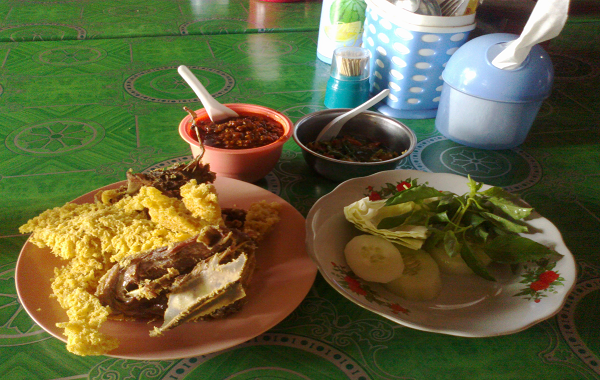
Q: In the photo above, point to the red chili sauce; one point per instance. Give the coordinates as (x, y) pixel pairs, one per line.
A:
(243, 132)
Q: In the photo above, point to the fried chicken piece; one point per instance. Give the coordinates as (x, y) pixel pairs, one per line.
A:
(140, 289)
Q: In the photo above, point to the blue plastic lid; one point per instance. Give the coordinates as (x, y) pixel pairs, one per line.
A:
(470, 71)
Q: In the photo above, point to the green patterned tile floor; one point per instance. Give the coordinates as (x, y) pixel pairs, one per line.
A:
(76, 115)
(92, 109)
(59, 20)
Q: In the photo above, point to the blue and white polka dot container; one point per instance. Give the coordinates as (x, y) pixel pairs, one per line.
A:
(408, 55)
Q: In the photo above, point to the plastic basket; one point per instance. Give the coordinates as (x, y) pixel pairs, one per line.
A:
(408, 54)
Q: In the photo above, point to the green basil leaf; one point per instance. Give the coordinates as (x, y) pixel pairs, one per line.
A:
(503, 223)
(447, 200)
(473, 262)
(473, 186)
(413, 194)
(413, 218)
(473, 219)
(418, 218)
(511, 209)
(392, 221)
(451, 244)
(440, 217)
(498, 192)
(480, 233)
(514, 249)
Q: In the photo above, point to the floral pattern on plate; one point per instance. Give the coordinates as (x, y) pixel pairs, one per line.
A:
(353, 283)
(539, 281)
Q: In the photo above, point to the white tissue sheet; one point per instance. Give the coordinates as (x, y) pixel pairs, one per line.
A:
(545, 22)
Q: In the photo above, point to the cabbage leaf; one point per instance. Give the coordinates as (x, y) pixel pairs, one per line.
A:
(366, 215)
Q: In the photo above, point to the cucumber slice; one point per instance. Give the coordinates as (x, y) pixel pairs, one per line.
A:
(373, 258)
(420, 280)
(456, 264)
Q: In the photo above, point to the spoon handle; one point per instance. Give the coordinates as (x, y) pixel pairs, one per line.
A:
(216, 111)
(334, 126)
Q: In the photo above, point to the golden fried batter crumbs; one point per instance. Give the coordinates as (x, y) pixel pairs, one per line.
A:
(202, 201)
(167, 212)
(86, 315)
(78, 230)
(95, 236)
(261, 218)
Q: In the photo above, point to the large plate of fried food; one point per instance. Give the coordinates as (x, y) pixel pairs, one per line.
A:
(282, 276)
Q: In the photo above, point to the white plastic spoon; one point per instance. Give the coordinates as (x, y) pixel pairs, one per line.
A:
(334, 126)
(216, 111)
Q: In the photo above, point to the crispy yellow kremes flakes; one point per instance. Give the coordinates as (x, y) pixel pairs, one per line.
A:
(95, 236)
(260, 219)
(174, 214)
(202, 202)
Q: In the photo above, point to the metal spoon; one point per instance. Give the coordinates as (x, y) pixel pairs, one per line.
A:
(334, 126)
(216, 111)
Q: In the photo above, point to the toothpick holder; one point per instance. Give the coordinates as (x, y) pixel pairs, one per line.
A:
(348, 84)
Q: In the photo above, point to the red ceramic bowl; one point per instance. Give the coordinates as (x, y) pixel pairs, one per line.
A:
(248, 165)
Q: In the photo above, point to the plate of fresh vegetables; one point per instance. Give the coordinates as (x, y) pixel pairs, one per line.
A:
(441, 253)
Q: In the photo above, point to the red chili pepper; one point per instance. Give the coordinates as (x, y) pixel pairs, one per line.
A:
(403, 186)
(353, 141)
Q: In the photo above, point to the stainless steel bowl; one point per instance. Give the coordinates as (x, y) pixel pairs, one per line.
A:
(375, 126)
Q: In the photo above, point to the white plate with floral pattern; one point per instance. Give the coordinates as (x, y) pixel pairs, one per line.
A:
(468, 306)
